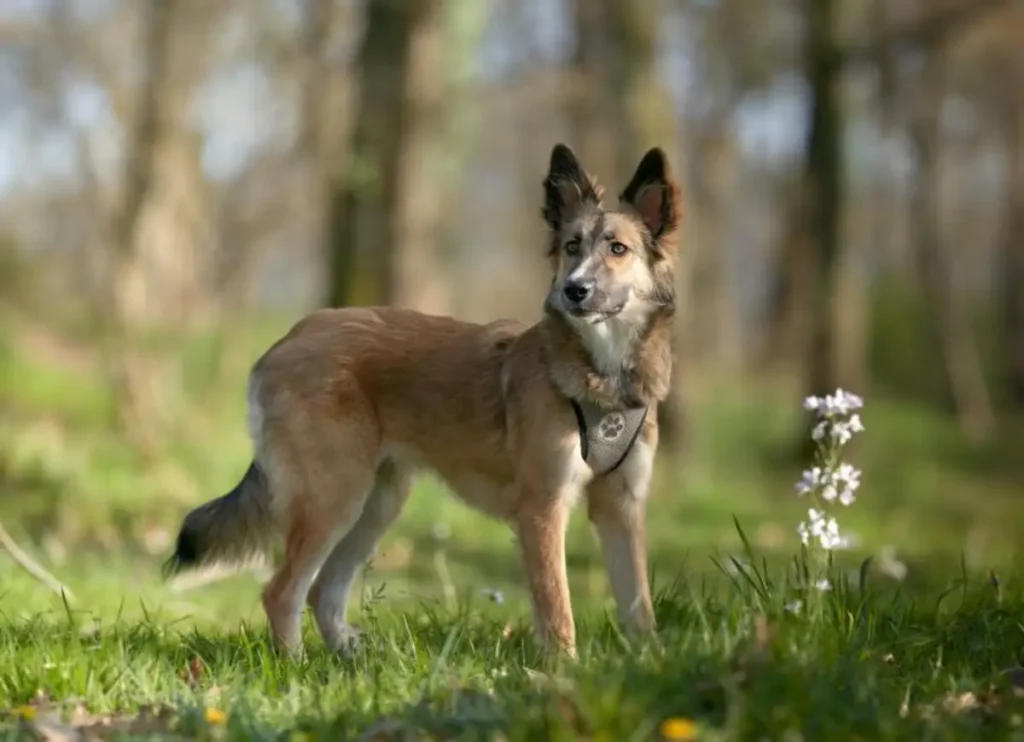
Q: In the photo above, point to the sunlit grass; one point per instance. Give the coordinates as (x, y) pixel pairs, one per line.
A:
(859, 661)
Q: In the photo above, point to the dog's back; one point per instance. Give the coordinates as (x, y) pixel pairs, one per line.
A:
(419, 370)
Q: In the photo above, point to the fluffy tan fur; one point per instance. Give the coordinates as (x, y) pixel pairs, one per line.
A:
(351, 402)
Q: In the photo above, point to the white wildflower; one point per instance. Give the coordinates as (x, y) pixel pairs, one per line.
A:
(822, 585)
(840, 431)
(794, 607)
(830, 480)
(849, 474)
(843, 403)
(847, 480)
(841, 434)
(831, 540)
(853, 402)
(822, 528)
(809, 481)
(828, 534)
(840, 403)
(813, 404)
(805, 534)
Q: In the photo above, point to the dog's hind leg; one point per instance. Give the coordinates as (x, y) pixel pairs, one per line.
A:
(324, 468)
(329, 596)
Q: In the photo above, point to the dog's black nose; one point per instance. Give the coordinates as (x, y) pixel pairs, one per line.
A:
(577, 291)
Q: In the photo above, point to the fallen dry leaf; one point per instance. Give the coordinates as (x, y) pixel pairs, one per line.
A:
(955, 704)
(985, 702)
(192, 674)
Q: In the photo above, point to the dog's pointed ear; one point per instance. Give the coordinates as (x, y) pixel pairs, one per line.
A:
(655, 195)
(567, 187)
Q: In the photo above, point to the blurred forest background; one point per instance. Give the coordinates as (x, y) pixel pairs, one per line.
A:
(180, 180)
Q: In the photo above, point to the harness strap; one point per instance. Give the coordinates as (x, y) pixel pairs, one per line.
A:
(607, 436)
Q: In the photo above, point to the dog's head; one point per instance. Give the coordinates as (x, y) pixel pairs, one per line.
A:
(611, 262)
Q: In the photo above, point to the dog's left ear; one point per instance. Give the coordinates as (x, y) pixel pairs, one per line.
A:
(654, 195)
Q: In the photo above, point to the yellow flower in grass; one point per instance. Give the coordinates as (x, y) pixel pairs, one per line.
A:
(678, 728)
(215, 716)
(28, 713)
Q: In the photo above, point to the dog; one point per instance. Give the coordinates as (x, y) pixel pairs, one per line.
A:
(520, 421)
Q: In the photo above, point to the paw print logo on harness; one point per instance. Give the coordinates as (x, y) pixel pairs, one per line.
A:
(612, 426)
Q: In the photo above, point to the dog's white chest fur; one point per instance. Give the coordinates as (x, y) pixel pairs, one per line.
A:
(609, 343)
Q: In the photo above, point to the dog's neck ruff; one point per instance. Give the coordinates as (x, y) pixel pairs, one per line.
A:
(607, 436)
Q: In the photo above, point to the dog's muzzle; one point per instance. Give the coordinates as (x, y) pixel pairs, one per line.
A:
(581, 299)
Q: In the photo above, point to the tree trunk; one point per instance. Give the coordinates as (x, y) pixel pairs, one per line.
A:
(712, 325)
(852, 316)
(619, 109)
(144, 131)
(364, 226)
(787, 321)
(953, 330)
(802, 332)
(143, 134)
(824, 178)
(640, 106)
(801, 328)
(465, 24)
(591, 131)
(419, 280)
(317, 21)
(1013, 256)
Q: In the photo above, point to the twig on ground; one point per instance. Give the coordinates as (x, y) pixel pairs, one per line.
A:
(31, 566)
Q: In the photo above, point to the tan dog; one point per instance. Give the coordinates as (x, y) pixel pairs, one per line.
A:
(519, 421)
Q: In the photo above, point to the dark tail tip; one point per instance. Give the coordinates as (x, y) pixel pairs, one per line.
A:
(186, 552)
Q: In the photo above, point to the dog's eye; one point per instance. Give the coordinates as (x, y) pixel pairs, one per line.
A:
(572, 247)
(618, 248)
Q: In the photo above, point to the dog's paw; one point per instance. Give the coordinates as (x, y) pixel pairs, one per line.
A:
(291, 649)
(345, 639)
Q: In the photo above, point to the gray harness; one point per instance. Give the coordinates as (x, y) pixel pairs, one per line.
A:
(607, 436)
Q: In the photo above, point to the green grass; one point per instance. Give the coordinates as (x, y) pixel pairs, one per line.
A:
(859, 662)
(439, 659)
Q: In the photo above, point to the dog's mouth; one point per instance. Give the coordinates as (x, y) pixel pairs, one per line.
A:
(594, 316)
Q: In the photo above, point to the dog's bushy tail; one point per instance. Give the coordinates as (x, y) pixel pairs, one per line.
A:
(232, 529)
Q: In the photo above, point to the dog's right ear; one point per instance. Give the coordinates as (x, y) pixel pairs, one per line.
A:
(567, 188)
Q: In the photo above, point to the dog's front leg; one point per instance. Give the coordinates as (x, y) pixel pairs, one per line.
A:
(541, 528)
(616, 505)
